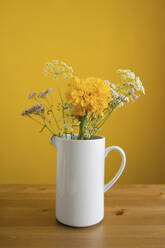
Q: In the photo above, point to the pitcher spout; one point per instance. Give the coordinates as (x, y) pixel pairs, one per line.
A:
(52, 140)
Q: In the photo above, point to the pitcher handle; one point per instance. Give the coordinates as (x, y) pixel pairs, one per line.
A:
(120, 171)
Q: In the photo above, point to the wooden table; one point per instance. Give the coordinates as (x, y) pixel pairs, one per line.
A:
(134, 217)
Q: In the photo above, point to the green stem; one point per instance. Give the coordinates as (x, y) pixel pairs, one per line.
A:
(82, 120)
(54, 119)
(51, 110)
(108, 114)
(63, 112)
(72, 134)
(42, 124)
(104, 120)
(44, 120)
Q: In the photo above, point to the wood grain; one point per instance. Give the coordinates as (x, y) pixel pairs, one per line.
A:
(134, 217)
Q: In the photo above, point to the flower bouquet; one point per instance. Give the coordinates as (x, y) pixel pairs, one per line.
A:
(86, 105)
(84, 108)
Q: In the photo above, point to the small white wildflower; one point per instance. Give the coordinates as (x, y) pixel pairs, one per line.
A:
(135, 97)
(56, 62)
(131, 91)
(32, 95)
(114, 93)
(130, 84)
(120, 105)
(113, 86)
(125, 99)
(131, 75)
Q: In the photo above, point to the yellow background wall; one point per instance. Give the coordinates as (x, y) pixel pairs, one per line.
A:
(96, 38)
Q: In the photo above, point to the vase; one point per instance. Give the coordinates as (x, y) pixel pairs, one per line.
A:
(80, 179)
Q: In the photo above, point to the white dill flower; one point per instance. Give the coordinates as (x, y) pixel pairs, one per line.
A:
(113, 86)
(70, 75)
(55, 76)
(126, 75)
(63, 63)
(123, 71)
(56, 62)
(49, 64)
(49, 68)
(59, 69)
(123, 77)
(32, 95)
(140, 85)
(70, 68)
(44, 93)
(64, 75)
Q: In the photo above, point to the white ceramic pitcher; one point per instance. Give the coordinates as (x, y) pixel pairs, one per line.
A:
(80, 179)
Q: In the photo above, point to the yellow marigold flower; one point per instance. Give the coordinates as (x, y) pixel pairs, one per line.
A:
(90, 95)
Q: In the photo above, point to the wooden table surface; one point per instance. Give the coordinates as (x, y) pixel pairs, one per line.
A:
(134, 217)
